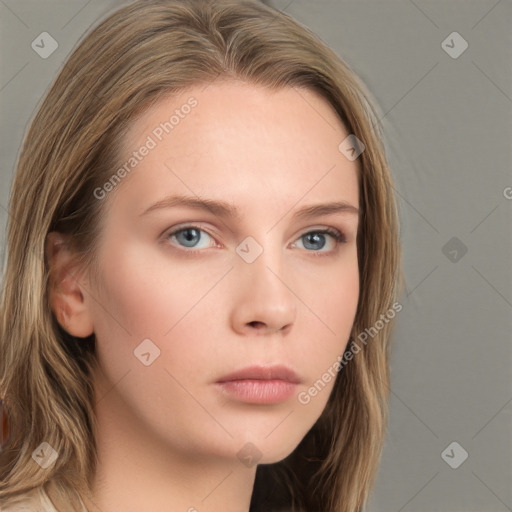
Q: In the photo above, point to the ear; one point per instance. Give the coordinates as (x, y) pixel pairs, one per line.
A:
(65, 287)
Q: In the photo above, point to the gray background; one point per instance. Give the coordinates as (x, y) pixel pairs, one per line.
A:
(448, 136)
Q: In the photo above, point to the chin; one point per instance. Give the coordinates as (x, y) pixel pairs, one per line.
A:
(268, 451)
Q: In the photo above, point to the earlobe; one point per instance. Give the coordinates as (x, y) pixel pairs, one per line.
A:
(67, 294)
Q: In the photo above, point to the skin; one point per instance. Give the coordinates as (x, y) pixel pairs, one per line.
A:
(168, 438)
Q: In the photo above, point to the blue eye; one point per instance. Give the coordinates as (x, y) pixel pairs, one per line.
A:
(190, 236)
(316, 239)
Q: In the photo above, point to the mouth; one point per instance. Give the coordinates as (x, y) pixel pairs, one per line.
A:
(260, 384)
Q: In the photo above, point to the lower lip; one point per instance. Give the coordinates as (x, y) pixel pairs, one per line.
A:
(258, 391)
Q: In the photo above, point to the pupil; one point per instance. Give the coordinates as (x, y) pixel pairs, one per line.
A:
(190, 234)
(315, 240)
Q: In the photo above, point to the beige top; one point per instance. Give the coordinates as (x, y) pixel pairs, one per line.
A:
(33, 501)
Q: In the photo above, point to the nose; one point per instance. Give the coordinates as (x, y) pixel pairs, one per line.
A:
(264, 303)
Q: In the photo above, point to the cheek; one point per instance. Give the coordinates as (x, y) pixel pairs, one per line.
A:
(149, 294)
(146, 296)
(333, 299)
(341, 300)
(328, 322)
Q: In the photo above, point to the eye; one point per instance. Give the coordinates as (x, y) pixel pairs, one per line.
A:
(189, 236)
(316, 239)
(313, 241)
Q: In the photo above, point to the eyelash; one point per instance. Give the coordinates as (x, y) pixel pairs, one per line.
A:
(337, 235)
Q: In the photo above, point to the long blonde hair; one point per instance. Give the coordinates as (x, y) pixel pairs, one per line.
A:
(140, 53)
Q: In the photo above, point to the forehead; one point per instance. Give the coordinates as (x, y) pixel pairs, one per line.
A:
(239, 140)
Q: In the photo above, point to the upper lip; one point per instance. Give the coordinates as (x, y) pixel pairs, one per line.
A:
(257, 372)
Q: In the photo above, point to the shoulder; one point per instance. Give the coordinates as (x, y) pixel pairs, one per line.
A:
(31, 501)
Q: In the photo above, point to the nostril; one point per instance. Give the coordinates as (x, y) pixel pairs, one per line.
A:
(256, 323)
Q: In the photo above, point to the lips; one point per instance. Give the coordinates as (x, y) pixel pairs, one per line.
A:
(260, 372)
(260, 384)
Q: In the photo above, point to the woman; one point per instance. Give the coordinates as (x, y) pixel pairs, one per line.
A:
(211, 236)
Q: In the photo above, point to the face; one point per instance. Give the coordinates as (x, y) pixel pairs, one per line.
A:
(190, 294)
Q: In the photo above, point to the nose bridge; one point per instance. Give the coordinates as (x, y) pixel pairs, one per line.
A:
(263, 258)
(266, 297)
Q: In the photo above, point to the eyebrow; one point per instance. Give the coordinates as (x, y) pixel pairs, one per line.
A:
(225, 209)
